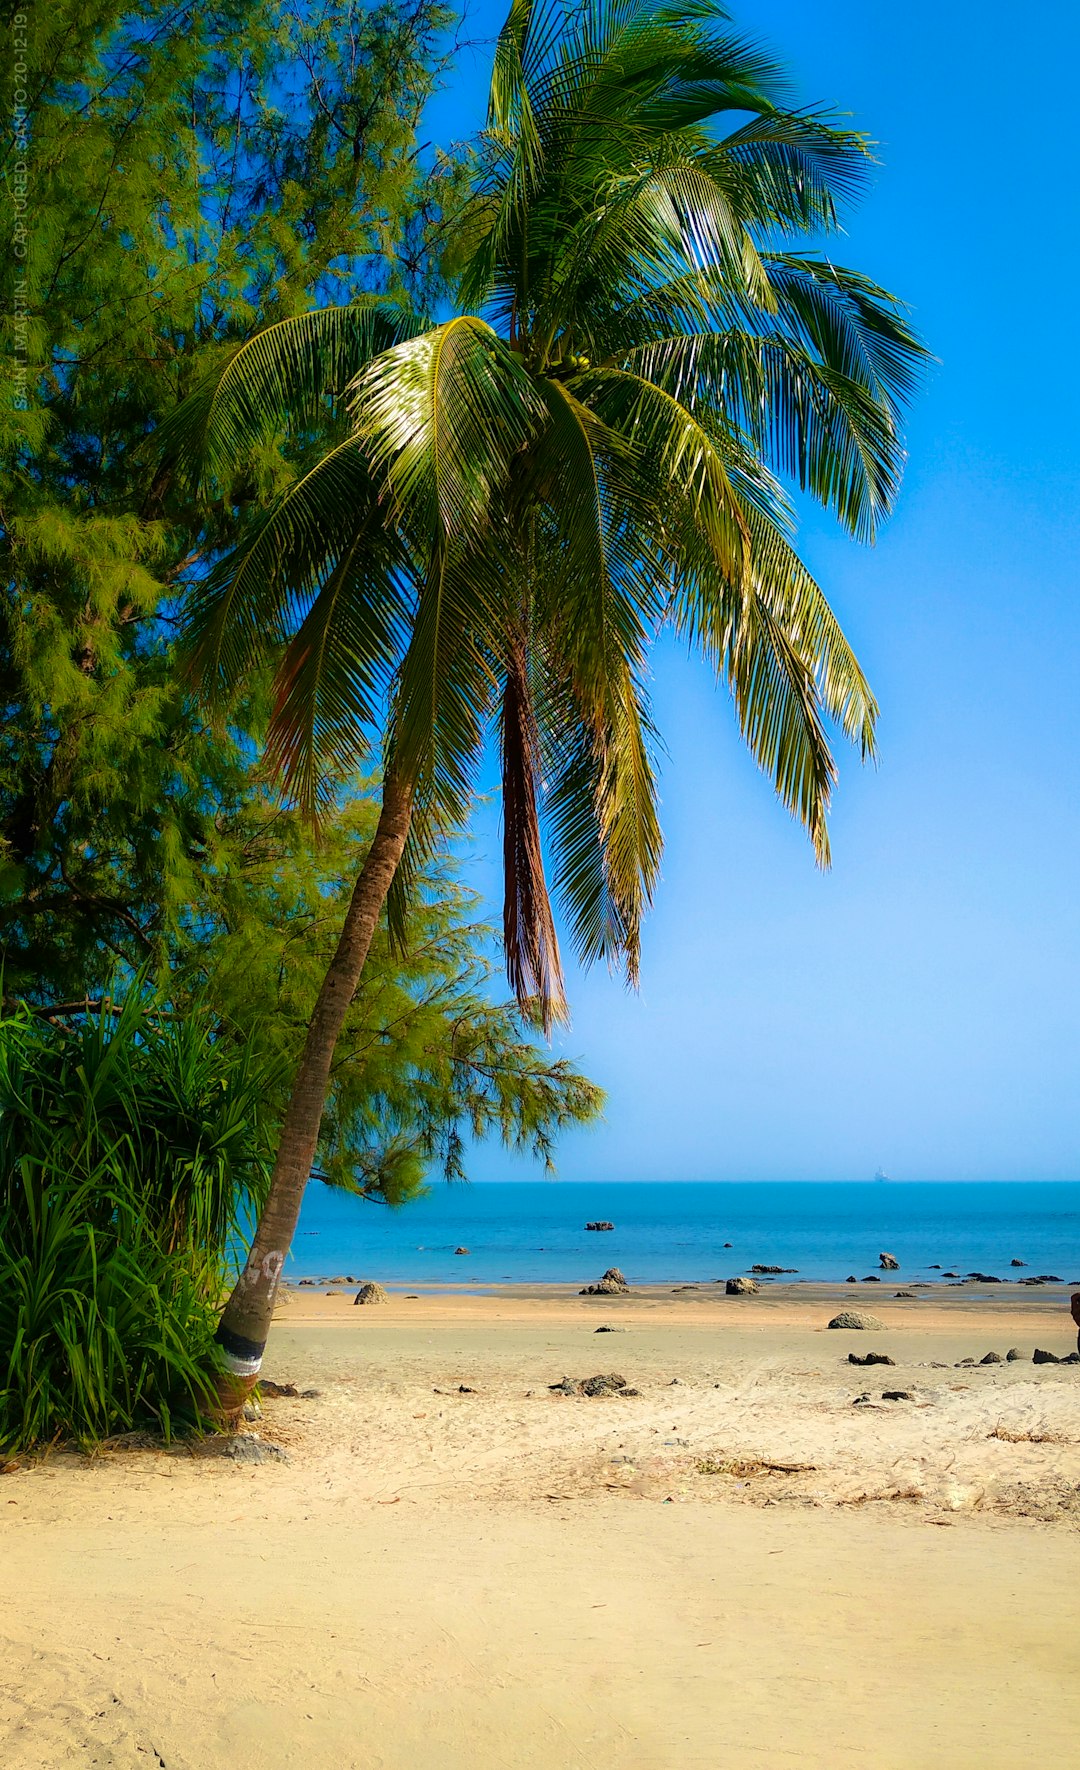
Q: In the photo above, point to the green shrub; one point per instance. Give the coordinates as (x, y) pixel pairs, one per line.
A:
(130, 1145)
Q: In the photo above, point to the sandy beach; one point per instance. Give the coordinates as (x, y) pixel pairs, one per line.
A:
(439, 1562)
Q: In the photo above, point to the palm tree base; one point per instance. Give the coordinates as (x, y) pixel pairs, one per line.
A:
(229, 1396)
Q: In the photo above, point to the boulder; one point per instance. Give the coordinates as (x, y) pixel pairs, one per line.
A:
(608, 1329)
(371, 1293)
(871, 1278)
(1041, 1357)
(771, 1271)
(599, 1225)
(984, 1278)
(991, 1358)
(870, 1358)
(616, 1276)
(461, 1250)
(740, 1287)
(889, 1263)
(605, 1287)
(609, 1383)
(851, 1279)
(897, 1395)
(1013, 1354)
(1017, 1262)
(246, 1448)
(910, 1295)
(855, 1318)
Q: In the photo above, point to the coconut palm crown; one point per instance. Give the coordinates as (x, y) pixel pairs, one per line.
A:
(651, 340)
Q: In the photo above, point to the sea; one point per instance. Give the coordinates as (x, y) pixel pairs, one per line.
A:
(533, 1232)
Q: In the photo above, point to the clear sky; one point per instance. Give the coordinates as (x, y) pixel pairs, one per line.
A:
(917, 1008)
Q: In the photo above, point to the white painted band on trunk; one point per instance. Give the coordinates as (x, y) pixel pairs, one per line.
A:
(241, 1367)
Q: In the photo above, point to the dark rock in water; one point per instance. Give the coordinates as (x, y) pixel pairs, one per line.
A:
(985, 1278)
(266, 1387)
(609, 1330)
(1041, 1357)
(371, 1293)
(910, 1295)
(740, 1287)
(1041, 1278)
(950, 1275)
(870, 1358)
(461, 1250)
(616, 1276)
(1017, 1262)
(773, 1270)
(605, 1287)
(1013, 1354)
(889, 1263)
(728, 1244)
(897, 1395)
(599, 1225)
(307, 1281)
(854, 1318)
(992, 1358)
(872, 1279)
(934, 1268)
(851, 1279)
(246, 1448)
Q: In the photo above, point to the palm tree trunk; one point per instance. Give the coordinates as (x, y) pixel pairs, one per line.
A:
(245, 1321)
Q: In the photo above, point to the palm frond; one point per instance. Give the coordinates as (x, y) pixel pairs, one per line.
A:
(600, 807)
(285, 376)
(442, 417)
(321, 576)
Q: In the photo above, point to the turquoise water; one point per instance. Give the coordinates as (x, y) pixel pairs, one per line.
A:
(534, 1231)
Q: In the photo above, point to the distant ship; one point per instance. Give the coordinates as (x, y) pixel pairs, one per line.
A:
(881, 1176)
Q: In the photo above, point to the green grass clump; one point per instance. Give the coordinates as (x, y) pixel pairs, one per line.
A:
(130, 1144)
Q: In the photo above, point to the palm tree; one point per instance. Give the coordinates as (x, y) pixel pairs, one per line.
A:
(518, 500)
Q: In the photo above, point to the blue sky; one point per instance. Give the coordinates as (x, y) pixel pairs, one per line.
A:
(918, 1007)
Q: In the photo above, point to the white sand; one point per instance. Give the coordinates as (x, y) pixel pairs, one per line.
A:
(509, 1581)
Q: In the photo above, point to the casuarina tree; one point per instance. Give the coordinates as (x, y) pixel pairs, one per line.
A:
(649, 341)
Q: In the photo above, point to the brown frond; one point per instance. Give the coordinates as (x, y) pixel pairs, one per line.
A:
(532, 948)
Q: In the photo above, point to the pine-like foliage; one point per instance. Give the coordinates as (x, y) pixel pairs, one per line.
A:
(198, 173)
